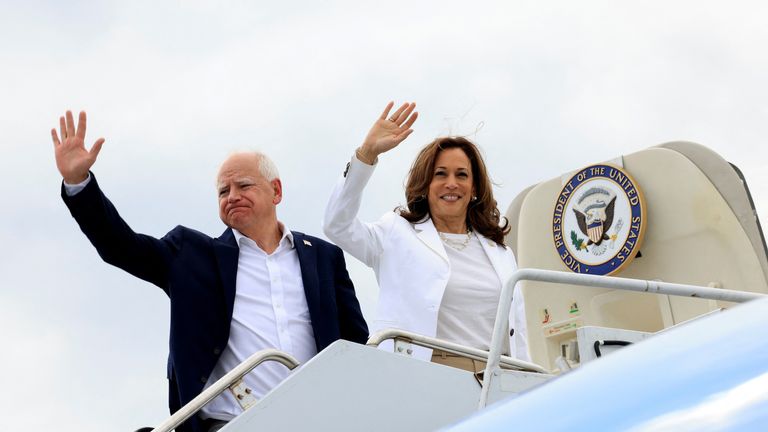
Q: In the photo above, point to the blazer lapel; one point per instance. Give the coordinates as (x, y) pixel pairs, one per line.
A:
(308, 263)
(227, 254)
(427, 233)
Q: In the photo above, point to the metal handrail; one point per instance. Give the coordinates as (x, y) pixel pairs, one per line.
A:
(450, 347)
(655, 287)
(237, 373)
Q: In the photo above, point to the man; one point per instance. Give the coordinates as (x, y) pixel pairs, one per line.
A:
(256, 286)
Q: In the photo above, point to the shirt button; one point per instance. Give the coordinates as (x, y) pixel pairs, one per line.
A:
(511, 332)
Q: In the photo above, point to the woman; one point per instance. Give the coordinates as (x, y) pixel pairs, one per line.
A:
(440, 261)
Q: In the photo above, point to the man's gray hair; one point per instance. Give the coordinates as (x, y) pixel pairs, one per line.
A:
(267, 168)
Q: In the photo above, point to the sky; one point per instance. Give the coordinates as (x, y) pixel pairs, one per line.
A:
(175, 86)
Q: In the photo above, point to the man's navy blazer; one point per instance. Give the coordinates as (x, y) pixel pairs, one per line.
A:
(198, 274)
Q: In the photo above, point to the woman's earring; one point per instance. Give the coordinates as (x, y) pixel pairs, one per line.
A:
(474, 197)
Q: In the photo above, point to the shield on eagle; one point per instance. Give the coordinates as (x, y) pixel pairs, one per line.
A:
(594, 214)
(595, 231)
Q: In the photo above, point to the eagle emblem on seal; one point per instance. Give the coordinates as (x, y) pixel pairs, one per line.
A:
(594, 214)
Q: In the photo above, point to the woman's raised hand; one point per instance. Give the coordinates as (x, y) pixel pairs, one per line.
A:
(388, 131)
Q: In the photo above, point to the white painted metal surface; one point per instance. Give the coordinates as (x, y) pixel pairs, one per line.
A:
(493, 371)
(350, 387)
(707, 375)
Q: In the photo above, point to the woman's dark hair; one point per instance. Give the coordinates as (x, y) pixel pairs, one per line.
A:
(482, 214)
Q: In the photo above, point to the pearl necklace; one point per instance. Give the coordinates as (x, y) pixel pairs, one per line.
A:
(456, 244)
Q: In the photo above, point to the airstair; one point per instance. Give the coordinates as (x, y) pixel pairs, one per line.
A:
(350, 387)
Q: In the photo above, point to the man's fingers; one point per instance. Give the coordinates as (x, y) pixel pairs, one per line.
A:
(81, 126)
(96, 148)
(55, 137)
(386, 110)
(70, 124)
(62, 128)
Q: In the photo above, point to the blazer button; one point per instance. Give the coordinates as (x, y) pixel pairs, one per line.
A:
(216, 351)
(203, 379)
(511, 332)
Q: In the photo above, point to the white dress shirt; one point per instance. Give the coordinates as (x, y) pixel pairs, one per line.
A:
(270, 312)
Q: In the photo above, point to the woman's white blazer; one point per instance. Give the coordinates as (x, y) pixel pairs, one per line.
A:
(410, 262)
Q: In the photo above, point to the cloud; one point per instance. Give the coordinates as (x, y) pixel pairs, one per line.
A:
(542, 87)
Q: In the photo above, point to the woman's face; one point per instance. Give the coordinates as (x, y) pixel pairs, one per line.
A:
(451, 188)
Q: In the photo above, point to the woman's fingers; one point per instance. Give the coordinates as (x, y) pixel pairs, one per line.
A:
(403, 135)
(404, 115)
(395, 118)
(412, 119)
(386, 110)
(391, 130)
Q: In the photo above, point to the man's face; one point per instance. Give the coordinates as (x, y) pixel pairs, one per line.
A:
(246, 198)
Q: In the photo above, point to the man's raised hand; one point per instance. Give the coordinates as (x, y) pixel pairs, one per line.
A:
(72, 158)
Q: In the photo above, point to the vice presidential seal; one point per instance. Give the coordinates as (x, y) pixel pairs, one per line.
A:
(599, 220)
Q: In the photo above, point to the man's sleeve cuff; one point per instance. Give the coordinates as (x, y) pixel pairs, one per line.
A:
(74, 189)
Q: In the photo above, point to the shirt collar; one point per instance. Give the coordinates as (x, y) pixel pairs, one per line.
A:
(286, 237)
